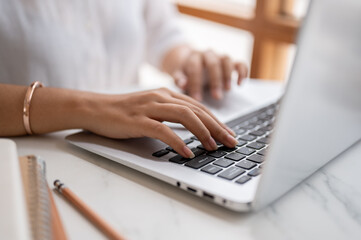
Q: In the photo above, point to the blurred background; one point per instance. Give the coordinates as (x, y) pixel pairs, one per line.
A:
(262, 33)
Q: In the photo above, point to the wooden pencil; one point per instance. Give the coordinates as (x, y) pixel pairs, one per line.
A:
(57, 226)
(87, 212)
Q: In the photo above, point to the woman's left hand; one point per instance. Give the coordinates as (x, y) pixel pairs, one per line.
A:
(194, 71)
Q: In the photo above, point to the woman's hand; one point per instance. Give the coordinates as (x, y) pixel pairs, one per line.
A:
(116, 116)
(141, 115)
(194, 70)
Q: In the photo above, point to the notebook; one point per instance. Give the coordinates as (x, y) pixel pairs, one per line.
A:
(27, 205)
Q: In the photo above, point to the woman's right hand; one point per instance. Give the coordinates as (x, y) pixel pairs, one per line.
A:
(130, 115)
(141, 114)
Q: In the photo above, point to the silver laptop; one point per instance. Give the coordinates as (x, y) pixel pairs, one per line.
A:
(280, 145)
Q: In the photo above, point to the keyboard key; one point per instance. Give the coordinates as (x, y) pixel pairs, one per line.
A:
(251, 126)
(245, 151)
(211, 169)
(263, 116)
(260, 122)
(160, 153)
(256, 145)
(262, 152)
(188, 141)
(223, 162)
(247, 138)
(199, 161)
(241, 143)
(270, 118)
(235, 156)
(256, 158)
(170, 149)
(253, 120)
(271, 111)
(197, 151)
(239, 131)
(179, 159)
(271, 121)
(217, 154)
(243, 179)
(243, 124)
(227, 149)
(194, 138)
(201, 147)
(246, 164)
(257, 133)
(231, 173)
(263, 140)
(255, 172)
(266, 128)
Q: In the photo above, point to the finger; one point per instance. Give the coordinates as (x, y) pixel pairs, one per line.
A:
(185, 98)
(201, 106)
(205, 127)
(179, 112)
(193, 71)
(180, 79)
(227, 65)
(242, 71)
(214, 69)
(245, 70)
(165, 134)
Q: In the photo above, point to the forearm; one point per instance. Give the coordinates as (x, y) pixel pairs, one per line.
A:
(55, 109)
(51, 110)
(11, 105)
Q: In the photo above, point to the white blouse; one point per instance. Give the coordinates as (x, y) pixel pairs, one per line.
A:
(83, 44)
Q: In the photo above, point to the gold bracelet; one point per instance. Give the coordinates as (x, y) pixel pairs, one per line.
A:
(27, 102)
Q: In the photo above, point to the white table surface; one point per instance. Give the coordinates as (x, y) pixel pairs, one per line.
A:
(325, 206)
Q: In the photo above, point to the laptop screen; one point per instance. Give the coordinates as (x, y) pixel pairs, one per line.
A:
(320, 114)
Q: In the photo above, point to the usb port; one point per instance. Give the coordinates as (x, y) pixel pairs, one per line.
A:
(207, 195)
(191, 189)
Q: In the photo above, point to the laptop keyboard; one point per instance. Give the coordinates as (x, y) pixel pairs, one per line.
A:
(239, 164)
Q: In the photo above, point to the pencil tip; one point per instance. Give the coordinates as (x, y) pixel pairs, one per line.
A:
(57, 183)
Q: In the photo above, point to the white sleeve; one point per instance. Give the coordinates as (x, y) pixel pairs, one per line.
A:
(162, 29)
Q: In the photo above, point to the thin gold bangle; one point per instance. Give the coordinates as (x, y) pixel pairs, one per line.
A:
(27, 102)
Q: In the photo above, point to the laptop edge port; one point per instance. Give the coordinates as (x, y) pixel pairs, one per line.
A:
(208, 196)
(191, 190)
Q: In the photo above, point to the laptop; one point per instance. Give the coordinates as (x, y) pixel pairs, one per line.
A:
(281, 144)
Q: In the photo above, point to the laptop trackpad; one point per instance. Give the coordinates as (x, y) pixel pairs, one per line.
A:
(142, 147)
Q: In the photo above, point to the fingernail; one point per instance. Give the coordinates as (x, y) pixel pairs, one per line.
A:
(231, 140)
(187, 152)
(231, 131)
(212, 144)
(218, 93)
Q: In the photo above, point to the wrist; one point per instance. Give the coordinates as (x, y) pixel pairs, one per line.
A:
(103, 114)
(88, 108)
(56, 109)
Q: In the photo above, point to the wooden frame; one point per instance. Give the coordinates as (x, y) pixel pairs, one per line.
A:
(269, 22)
